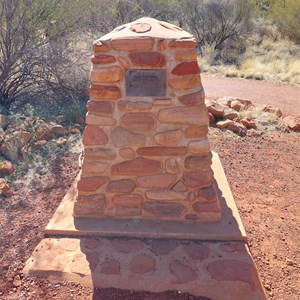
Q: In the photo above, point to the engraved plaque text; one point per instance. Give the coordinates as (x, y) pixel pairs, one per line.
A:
(143, 83)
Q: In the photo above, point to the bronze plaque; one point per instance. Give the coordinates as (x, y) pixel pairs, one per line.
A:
(141, 83)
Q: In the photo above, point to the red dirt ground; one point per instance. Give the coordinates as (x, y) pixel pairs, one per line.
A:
(263, 173)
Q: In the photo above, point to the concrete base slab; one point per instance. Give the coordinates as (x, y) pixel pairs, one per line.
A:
(229, 228)
(217, 270)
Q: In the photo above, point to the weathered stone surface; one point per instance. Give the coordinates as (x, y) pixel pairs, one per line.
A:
(223, 124)
(186, 55)
(100, 47)
(127, 153)
(206, 206)
(137, 166)
(162, 151)
(172, 166)
(193, 98)
(156, 181)
(134, 105)
(126, 245)
(186, 68)
(212, 119)
(105, 75)
(162, 102)
(122, 137)
(89, 244)
(237, 128)
(94, 154)
(164, 208)
(185, 82)
(142, 264)
(132, 44)
(206, 194)
(237, 105)
(272, 110)
(248, 123)
(169, 137)
(121, 186)
(233, 247)
(191, 217)
(106, 92)
(216, 109)
(159, 247)
(101, 107)
(39, 144)
(6, 168)
(231, 270)
(101, 59)
(161, 45)
(230, 115)
(124, 63)
(202, 162)
(128, 200)
(164, 194)
(139, 121)
(179, 187)
(292, 122)
(93, 135)
(94, 167)
(128, 211)
(61, 141)
(190, 115)
(183, 273)
(197, 178)
(96, 120)
(152, 59)
(89, 206)
(184, 43)
(199, 146)
(140, 27)
(197, 251)
(196, 131)
(5, 188)
(110, 267)
(91, 184)
(58, 129)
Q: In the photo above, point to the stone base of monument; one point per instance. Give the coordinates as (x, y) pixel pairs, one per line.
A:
(203, 259)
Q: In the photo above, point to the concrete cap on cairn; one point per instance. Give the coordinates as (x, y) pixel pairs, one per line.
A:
(147, 27)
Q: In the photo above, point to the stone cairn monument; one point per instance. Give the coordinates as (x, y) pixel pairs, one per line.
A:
(151, 208)
(146, 152)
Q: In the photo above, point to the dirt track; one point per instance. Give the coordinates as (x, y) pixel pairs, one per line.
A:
(283, 96)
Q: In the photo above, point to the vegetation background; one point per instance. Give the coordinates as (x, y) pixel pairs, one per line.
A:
(45, 45)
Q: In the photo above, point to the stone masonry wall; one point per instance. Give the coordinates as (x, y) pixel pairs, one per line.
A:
(146, 157)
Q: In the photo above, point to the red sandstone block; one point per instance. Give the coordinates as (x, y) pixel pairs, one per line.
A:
(186, 68)
(197, 178)
(103, 59)
(162, 151)
(142, 264)
(92, 119)
(190, 115)
(196, 131)
(184, 43)
(186, 55)
(165, 209)
(206, 206)
(151, 59)
(132, 44)
(137, 166)
(128, 211)
(122, 137)
(102, 92)
(197, 251)
(95, 154)
(127, 245)
(127, 153)
(134, 106)
(193, 98)
(199, 146)
(185, 82)
(110, 267)
(159, 247)
(156, 181)
(128, 200)
(93, 135)
(183, 272)
(201, 162)
(100, 47)
(91, 184)
(106, 75)
(168, 138)
(101, 107)
(139, 121)
(231, 270)
(121, 186)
